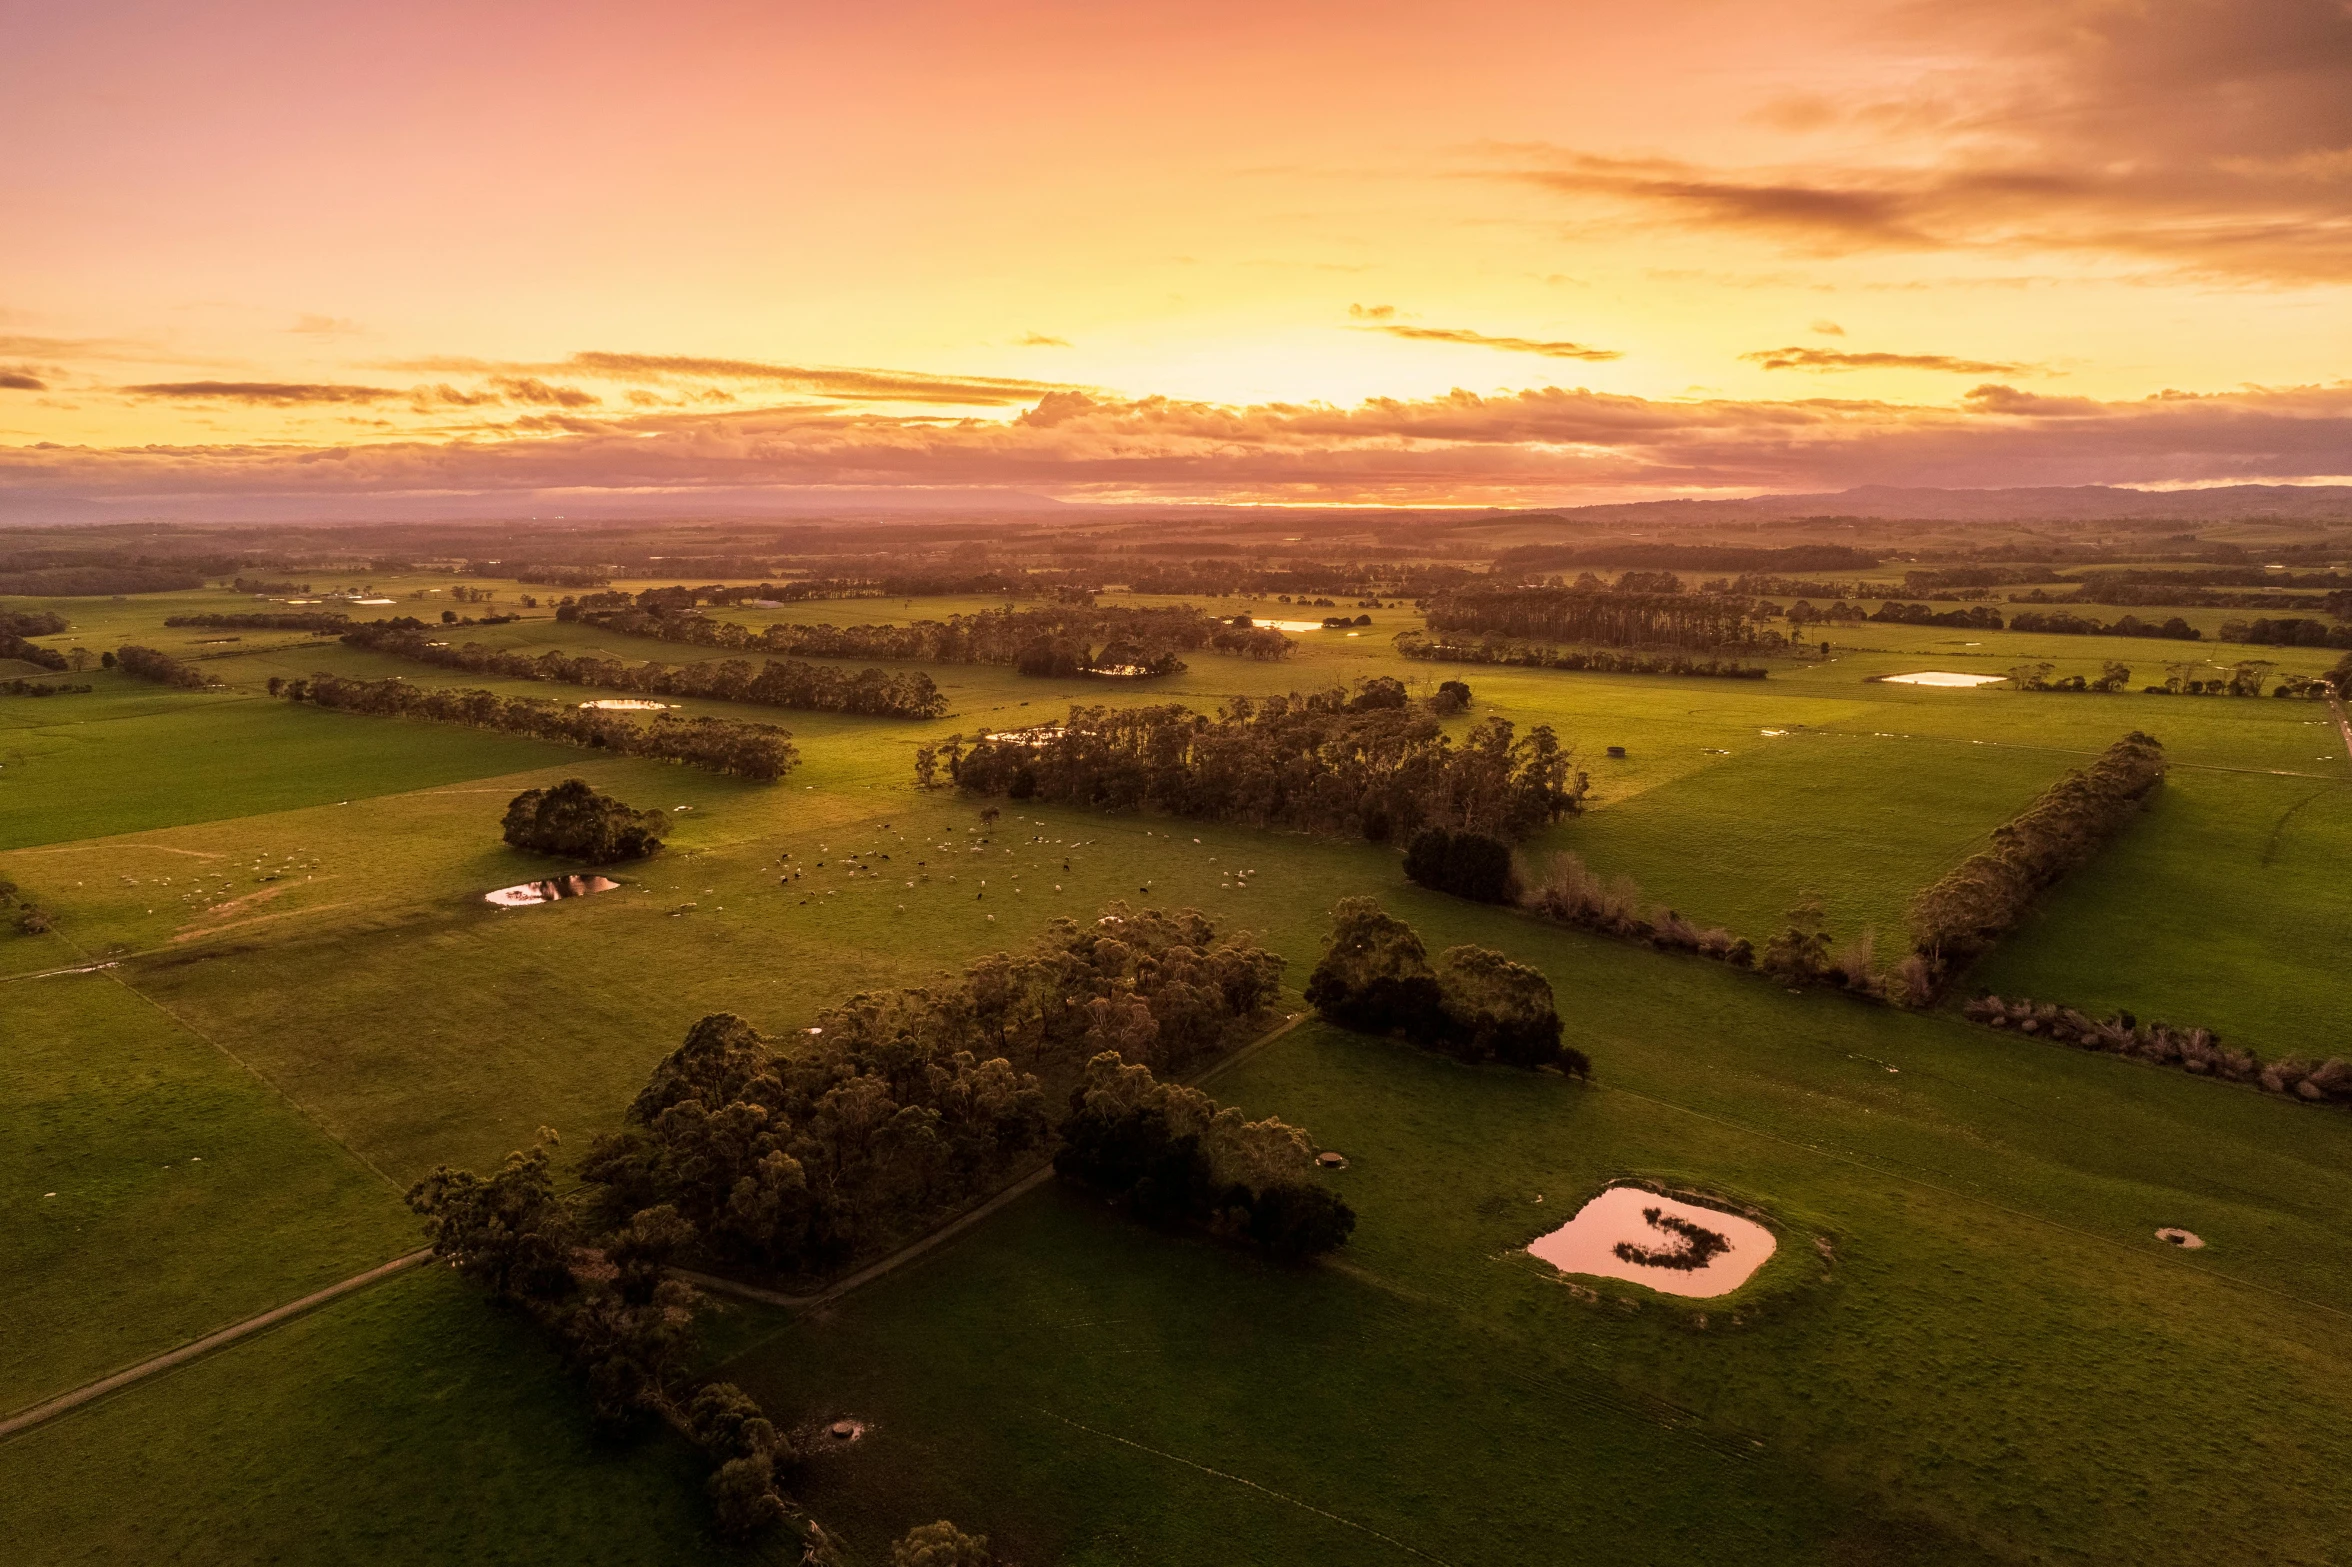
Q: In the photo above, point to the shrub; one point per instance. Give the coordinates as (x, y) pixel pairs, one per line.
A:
(940, 1544)
(1466, 864)
(573, 820)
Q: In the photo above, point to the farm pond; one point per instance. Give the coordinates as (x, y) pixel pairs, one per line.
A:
(523, 894)
(1674, 1247)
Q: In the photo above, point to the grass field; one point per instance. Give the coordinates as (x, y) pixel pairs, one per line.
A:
(2001, 1363)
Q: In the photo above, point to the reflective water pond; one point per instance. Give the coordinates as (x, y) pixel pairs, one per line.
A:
(524, 894)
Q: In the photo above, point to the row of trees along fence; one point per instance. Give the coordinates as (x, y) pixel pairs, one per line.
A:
(2059, 622)
(900, 1105)
(2198, 1050)
(1609, 617)
(1047, 638)
(1361, 763)
(1473, 1003)
(1966, 911)
(149, 664)
(261, 621)
(1173, 1156)
(1495, 648)
(719, 745)
(788, 683)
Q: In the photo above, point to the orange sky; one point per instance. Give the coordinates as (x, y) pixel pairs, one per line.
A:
(1516, 253)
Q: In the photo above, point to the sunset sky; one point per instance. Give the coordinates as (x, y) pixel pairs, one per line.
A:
(1312, 253)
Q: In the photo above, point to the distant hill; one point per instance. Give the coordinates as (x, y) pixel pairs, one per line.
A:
(2074, 503)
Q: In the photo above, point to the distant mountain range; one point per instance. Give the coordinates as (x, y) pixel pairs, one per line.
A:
(2074, 503)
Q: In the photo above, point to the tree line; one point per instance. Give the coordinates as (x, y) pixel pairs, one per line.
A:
(293, 621)
(1045, 640)
(150, 664)
(2291, 632)
(1473, 1003)
(2192, 1049)
(1495, 648)
(719, 745)
(18, 624)
(2067, 624)
(1606, 617)
(786, 683)
(1964, 912)
(20, 686)
(1358, 763)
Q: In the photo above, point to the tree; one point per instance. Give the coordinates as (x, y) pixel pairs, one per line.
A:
(2113, 676)
(1451, 697)
(1498, 1010)
(1799, 955)
(941, 1544)
(575, 821)
(926, 767)
(1466, 864)
(508, 1233)
(1375, 975)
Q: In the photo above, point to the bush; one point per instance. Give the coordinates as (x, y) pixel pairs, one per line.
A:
(573, 820)
(940, 1544)
(1467, 864)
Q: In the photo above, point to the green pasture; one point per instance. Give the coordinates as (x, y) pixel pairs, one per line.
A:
(404, 1423)
(2001, 1357)
(2224, 906)
(2000, 1362)
(155, 1190)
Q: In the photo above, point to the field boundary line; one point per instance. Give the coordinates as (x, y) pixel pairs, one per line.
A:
(26, 1419)
(1982, 1202)
(957, 1225)
(1253, 1485)
(299, 1108)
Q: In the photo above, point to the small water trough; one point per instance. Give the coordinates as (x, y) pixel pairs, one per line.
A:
(524, 894)
(1674, 1247)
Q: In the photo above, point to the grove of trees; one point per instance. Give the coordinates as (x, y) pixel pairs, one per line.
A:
(1357, 763)
(1496, 648)
(789, 683)
(1173, 1156)
(719, 745)
(297, 620)
(575, 821)
(149, 664)
(899, 1105)
(1606, 617)
(1048, 640)
(1474, 1003)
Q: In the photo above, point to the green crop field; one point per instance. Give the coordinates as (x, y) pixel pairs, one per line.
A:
(1968, 1346)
